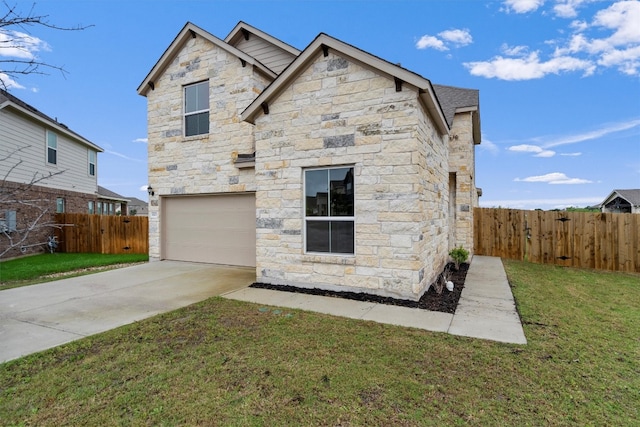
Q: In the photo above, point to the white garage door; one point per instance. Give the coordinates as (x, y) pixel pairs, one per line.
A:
(217, 229)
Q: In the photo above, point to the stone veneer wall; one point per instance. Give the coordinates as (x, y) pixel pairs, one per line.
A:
(201, 164)
(340, 113)
(462, 163)
(36, 200)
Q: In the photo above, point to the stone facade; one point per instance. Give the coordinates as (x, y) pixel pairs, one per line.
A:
(202, 164)
(413, 173)
(462, 167)
(337, 112)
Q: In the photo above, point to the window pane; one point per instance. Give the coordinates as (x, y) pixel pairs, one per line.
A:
(342, 237)
(60, 205)
(196, 97)
(52, 156)
(317, 236)
(316, 193)
(92, 169)
(341, 182)
(52, 140)
(197, 124)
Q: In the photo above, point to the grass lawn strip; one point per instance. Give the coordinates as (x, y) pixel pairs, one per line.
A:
(230, 363)
(47, 267)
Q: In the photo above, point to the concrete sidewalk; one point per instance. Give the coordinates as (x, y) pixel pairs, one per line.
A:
(486, 308)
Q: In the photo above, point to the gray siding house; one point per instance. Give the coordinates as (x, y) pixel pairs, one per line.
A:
(327, 167)
(45, 168)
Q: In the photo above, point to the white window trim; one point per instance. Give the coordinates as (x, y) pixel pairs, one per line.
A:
(94, 163)
(326, 218)
(47, 133)
(191, 113)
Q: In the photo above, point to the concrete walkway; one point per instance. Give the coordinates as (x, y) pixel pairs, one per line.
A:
(38, 317)
(486, 308)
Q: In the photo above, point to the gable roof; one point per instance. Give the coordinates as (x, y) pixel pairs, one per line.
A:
(191, 31)
(10, 101)
(104, 193)
(324, 41)
(632, 196)
(459, 100)
(265, 48)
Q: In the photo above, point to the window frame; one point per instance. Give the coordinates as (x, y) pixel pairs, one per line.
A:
(92, 162)
(197, 111)
(54, 149)
(327, 218)
(60, 205)
(91, 207)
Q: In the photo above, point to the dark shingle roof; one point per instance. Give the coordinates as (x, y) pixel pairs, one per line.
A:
(451, 98)
(108, 194)
(631, 196)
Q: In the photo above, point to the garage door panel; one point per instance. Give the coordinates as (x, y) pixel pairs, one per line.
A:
(213, 229)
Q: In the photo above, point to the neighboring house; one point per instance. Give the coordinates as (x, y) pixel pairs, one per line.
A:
(622, 201)
(44, 168)
(138, 207)
(110, 203)
(327, 167)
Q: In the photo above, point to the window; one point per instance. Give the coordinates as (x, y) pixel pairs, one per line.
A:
(92, 163)
(59, 205)
(196, 109)
(329, 210)
(91, 210)
(52, 148)
(99, 210)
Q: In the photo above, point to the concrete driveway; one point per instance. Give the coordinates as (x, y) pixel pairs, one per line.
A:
(38, 317)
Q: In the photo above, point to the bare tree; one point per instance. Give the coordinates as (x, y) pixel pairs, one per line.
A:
(16, 40)
(16, 236)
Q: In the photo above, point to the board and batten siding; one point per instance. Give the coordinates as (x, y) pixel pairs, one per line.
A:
(271, 56)
(72, 159)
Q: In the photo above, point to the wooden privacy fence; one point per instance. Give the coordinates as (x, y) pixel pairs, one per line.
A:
(106, 234)
(605, 241)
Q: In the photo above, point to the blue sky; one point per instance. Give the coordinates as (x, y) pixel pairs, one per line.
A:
(559, 80)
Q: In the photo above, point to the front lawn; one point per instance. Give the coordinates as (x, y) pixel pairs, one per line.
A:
(224, 362)
(36, 268)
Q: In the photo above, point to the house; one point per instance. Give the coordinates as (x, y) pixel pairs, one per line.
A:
(109, 202)
(622, 201)
(45, 168)
(326, 167)
(137, 207)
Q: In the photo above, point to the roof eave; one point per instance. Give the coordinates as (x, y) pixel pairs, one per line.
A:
(427, 94)
(188, 31)
(54, 125)
(236, 32)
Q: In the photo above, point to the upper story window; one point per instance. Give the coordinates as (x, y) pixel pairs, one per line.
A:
(329, 210)
(52, 148)
(92, 163)
(196, 109)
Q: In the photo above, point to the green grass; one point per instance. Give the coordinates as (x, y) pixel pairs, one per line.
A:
(223, 362)
(31, 269)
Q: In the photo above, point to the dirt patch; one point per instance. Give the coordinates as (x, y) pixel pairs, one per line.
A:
(445, 302)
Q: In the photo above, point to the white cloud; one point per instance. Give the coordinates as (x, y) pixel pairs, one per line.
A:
(605, 130)
(446, 39)
(144, 188)
(122, 156)
(431, 42)
(9, 82)
(526, 148)
(15, 44)
(141, 140)
(523, 6)
(527, 68)
(489, 146)
(554, 178)
(610, 39)
(571, 154)
(543, 203)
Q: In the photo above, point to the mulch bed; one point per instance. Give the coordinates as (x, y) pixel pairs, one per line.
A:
(446, 302)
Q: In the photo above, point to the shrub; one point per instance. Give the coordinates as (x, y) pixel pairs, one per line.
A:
(459, 255)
